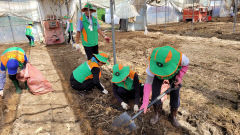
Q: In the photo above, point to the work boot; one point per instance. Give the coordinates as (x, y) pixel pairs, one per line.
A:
(158, 112)
(16, 84)
(32, 44)
(26, 86)
(173, 117)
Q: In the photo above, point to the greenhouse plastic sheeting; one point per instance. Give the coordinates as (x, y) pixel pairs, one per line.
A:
(12, 29)
(167, 12)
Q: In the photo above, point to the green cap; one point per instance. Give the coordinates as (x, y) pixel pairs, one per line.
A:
(30, 23)
(103, 57)
(88, 5)
(66, 17)
(164, 61)
(120, 73)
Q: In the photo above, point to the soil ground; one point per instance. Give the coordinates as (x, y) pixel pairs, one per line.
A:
(210, 96)
(221, 28)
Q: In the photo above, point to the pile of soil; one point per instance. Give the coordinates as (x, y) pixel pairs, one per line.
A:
(221, 28)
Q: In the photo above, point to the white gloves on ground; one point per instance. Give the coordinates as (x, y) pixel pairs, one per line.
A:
(1, 92)
(105, 91)
(124, 105)
(135, 108)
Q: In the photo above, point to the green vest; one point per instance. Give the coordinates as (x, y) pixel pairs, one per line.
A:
(70, 27)
(81, 72)
(28, 30)
(127, 84)
(89, 38)
(171, 76)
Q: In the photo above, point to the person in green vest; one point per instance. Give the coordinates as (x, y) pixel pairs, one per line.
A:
(126, 86)
(165, 63)
(29, 35)
(88, 27)
(12, 59)
(87, 76)
(69, 29)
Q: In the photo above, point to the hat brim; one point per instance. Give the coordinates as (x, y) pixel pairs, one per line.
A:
(123, 74)
(83, 9)
(12, 71)
(167, 69)
(101, 59)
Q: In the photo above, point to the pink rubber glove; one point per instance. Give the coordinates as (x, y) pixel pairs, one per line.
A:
(146, 94)
(164, 88)
(180, 75)
(107, 39)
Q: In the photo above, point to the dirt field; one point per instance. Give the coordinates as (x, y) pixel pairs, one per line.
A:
(209, 97)
(221, 28)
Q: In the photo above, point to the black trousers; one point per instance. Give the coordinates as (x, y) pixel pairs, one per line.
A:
(87, 85)
(90, 51)
(174, 95)
(127, 95)
(70, 36)
(13, 77)
(30, 38)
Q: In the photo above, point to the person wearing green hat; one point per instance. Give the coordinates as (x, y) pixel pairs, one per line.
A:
(88, 27)
(29, 34)
(165, 63)
(87, 76)
(11, 59)
(69, 29)
(126, 86)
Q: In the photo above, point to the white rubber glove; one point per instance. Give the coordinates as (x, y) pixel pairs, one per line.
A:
(105, 91)
(1, 92)
(124, 105)
(135, 108)
(102, 85)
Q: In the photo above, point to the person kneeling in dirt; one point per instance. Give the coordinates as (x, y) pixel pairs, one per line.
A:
(11, 59)
(166, 63)
(86, 76)
(126, 86)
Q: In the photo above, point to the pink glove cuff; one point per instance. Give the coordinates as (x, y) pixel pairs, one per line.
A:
(182, 72)
(147, 90)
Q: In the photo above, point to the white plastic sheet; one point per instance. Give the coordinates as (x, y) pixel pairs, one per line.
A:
(157, 15)
(108, 17)
(125, 10)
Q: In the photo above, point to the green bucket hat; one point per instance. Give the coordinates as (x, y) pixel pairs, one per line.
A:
(66, 17)
(164, 61)
(88, 5)
(103, 57)
(120, 73)
(30, 23)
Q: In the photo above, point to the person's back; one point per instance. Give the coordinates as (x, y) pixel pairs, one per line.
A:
(11, 59)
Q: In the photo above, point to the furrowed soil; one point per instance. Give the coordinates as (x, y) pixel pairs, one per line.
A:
(210, 96)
